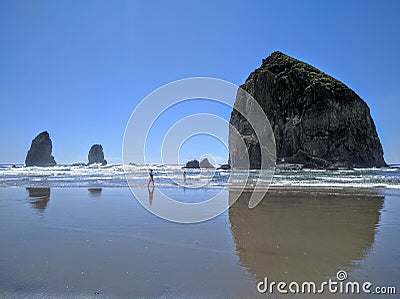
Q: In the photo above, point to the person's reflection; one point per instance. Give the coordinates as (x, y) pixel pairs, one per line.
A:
(39, 198)
(151, 193)
(95, 192)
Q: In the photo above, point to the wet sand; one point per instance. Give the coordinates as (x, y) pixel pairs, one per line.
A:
(101, 243)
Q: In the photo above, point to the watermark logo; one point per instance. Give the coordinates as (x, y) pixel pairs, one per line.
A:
(340, 285)
(252, 116)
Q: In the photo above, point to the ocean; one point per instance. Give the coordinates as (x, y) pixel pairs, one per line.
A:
(78, 232)
(171, 175)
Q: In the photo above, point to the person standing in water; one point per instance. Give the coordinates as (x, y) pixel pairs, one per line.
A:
(184, 176)
(151, 179)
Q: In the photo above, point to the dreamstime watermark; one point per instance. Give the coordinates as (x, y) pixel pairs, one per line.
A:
(258, 136)
(333, 286)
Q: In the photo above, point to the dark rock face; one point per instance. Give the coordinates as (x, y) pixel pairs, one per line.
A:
(78, 164)
(96, 155)
(224, 167)
(317, 120)
(192, 164)
(205, 164)
(40, 152)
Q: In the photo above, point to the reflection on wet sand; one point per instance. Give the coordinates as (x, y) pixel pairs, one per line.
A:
(151, 194)
(95, 192)
(39, 198)
(299, 236)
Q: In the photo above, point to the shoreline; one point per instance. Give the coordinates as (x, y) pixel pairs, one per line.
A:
(305, 188)
(293, 235)
(172, 176)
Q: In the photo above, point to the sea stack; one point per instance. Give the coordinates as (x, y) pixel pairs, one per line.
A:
(40, 152)
(192, 164)
(317, 120)
(96, 155)
(205, 164)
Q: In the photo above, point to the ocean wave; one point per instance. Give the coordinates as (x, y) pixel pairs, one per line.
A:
(116, 175)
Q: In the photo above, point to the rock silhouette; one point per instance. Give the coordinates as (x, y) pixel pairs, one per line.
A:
(192, 164)
(317, 120)
(224, 167)
(205, 164)
(39, 153)
(96, 155)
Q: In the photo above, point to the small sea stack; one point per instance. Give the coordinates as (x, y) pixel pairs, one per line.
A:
(205, 164)
(224, 167)
(39, 153)
(192, 164)
(96, 155)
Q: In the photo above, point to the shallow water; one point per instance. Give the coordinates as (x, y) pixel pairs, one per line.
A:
(100, 242)
(172, 175)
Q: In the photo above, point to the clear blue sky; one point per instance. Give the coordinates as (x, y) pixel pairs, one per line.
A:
(78, 68)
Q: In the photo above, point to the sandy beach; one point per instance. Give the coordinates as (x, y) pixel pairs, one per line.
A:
(199, 149)
(101, 243)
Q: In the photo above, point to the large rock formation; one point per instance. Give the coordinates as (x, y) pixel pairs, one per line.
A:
(317, 120)
(96, 155)
(40, 152)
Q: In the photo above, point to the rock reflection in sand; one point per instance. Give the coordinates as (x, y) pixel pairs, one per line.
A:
(298, 236)
(95, 192)
(39, 198)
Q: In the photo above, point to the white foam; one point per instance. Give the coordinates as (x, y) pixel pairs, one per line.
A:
(114, 175)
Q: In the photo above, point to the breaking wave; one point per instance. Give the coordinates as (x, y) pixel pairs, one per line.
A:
(170, 175)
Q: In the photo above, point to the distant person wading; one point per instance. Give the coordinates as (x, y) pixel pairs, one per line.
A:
(151, 179)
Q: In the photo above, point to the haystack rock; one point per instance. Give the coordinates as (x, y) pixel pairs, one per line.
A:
(96, 155)
(317, 120)
(206, 164)
(40, 152)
